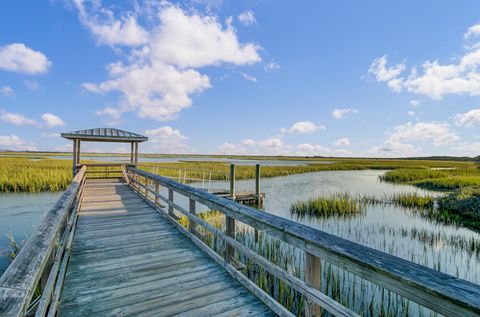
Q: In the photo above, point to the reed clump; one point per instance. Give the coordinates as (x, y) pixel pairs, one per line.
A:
(338, 204)
(444, 179)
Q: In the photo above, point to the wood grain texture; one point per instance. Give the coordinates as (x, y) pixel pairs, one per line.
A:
(128, 259)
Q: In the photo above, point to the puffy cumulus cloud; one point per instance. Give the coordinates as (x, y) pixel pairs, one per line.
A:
(341, 113)
(342, 142)
(108, 30)
(16, 119)
(52, 120)
(468, 119)
(306, 149)
(19, 58)
(160, 74)
(247, 18)
(154, 91)
(435, 79)
(437, 132)
(393, 148)
(303, 127)
(7, 91)
(14, 143)
(168, 140)
(411, 113)
(191, 40)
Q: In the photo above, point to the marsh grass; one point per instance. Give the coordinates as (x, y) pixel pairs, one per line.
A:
(444, 179)
(35, 172)
(339, 204)
(358, 294)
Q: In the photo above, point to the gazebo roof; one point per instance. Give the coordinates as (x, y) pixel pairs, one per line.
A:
(104, 135)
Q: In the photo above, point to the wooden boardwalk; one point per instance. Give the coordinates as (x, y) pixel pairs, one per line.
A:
(128, 259)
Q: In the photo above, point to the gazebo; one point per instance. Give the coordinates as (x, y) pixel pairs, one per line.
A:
(103, 135)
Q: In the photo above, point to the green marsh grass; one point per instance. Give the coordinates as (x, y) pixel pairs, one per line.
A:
(358, 294)
(339, 204)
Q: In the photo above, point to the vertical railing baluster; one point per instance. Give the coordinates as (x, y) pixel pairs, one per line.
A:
(312, 277)
(191, 209)
(170, 202)
(229, 221)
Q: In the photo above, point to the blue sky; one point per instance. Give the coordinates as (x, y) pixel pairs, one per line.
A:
(331, 78)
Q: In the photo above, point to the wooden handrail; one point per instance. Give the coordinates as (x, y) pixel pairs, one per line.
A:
(34, 261)
(435, 290)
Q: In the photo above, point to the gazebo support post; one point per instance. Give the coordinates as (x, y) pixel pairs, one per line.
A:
(78, 152)
(132, 150)
(74, 158)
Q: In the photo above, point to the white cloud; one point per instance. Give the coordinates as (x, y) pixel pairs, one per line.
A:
(438, 133)
(168, 140)
(435, 80)
(414, 103)
(386, 74)
(473, 31)
(468, 119)
(249, 77)
(411, 113)
(271, 66)
(19, 58)
(14, 143)
(467, 148)
(343, 113)
(303, 127)
(64, 148)
(108, 30)
(52, 135)
(247, 18)
(161, 77)
(230, 149)
(52, 120)
(268, 146)
(306, 149)
(16, 119)
(394, 149)
(342, 142)
(7, 91)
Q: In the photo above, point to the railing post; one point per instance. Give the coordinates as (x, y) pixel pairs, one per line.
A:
(170, 202)
(312, 277)
(145, 183)
(191, 209)
(230, 222)
(257, 184)
(232, 181)
(257, 194)
(157, 192)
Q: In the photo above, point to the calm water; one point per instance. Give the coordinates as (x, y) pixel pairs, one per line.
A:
(19, 214)
(387, 228)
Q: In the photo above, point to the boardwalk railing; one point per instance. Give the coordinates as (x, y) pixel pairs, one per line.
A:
(440, 292)
(41, 264)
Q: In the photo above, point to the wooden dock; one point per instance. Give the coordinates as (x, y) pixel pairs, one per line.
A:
(115, 247)
(127, 259)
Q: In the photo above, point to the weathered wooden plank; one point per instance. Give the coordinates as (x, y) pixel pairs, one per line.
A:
(11, 301)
